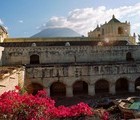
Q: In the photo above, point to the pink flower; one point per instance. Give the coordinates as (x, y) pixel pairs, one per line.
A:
(17, 88)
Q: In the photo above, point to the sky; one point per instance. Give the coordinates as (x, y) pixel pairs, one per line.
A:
(24, 18)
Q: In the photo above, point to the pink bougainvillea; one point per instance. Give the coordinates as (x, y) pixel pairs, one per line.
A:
(25, 106)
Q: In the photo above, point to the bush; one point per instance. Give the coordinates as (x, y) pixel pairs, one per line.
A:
(17, 106)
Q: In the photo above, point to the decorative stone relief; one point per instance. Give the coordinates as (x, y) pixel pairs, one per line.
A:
(34, 52)
(54, 52)
(70, 52)
(37, 73)
(15, 54)
(138, 68)
(65, 71)
(132, 69)
(96, 69)
(78, 72)
(123, 69)
(47, 73)
(29, 72)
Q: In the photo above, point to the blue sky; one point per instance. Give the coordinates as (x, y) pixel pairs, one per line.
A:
(23, 18)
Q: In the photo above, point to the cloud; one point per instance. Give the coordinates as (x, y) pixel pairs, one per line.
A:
(6, 27)
(1, 23)
(84, 20)
(20, 21)
(136, 25)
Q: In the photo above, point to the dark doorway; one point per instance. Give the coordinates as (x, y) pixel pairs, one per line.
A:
(33, 88)
(122, 85)
(101, 86)
(58, 89)
(80, 88)
(34, 59)
(137, 83)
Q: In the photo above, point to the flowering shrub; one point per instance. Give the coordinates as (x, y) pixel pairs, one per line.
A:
(16, 106)
(26, 106)
(80, 109)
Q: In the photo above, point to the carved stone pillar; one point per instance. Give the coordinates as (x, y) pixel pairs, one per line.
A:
(131, 86)
(112, 88)
(91, 89)
(69, 91)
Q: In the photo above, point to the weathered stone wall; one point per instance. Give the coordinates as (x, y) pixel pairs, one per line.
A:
(68, 75)
(69, 54)
(68, 64)
(13, 77)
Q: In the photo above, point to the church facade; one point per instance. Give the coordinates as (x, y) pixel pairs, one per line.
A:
(107, 61)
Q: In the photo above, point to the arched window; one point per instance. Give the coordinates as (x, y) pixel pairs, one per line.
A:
(129, 57)
(34, 59)
(120, 30)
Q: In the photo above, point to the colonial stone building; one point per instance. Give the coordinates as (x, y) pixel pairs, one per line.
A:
(112, 31)
(107, 61)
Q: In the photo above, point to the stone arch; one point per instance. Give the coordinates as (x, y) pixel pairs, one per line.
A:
(129, 57)
(80, 87)
(137, 83)
(120, 30)
(33, 88)
(121, 85)
(101, 86)
(34, 59)
(58, 89)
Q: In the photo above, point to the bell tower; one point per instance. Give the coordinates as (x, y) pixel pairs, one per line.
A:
(3, 33)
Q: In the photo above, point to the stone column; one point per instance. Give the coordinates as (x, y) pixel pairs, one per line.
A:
(112, 88)
(91, 89)
(48, 91)
(131, 86)
(69, 91)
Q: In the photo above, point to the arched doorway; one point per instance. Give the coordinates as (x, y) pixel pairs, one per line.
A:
(58, 89)
(137, 83)
(102, 86)
(33, 88)
(121, 85)
(34, 59)
(80, 87)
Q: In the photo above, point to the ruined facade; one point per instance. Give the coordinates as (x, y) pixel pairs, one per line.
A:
(11, 76)
(82, 65)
